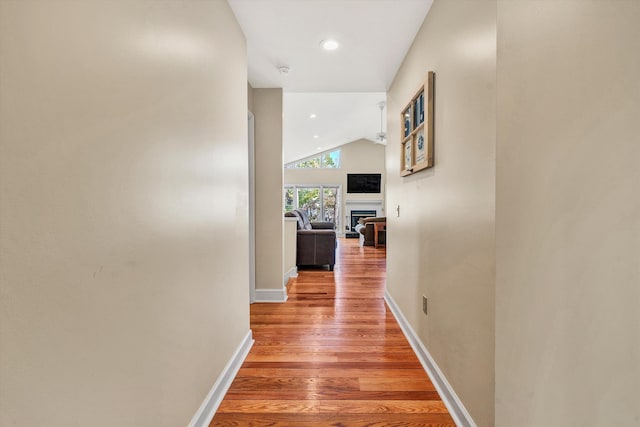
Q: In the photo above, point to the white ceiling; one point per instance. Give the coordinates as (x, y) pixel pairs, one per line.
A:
(340, 118)
(374, 37)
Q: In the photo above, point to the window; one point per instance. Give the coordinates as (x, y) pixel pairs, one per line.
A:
(321, 202)
(311, 163)
(309, 201)
(327, 160)
(289, 205)
(331, 159)
(329, 200)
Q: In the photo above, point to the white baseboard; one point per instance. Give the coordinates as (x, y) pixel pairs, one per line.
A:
(271, 295)
(207, 410)
(454, 405)
(292, 273)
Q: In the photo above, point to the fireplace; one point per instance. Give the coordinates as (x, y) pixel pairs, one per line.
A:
(360, 208)
(356, 215)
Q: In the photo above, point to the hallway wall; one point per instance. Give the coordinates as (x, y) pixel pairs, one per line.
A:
(123, 209)
(267, 108)
(568, 214)
(442, 244)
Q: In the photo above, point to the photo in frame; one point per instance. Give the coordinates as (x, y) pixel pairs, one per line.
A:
(408, 150)
(407, 121)
(421, 152)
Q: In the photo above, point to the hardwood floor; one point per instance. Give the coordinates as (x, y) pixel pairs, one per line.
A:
(332, 355)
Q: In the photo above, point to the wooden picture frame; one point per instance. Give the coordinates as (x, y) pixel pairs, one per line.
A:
(416, 123)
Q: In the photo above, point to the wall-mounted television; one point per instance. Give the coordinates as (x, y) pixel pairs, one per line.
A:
(363, 182)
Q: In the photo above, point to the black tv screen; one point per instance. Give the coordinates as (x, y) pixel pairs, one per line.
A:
(363, 182)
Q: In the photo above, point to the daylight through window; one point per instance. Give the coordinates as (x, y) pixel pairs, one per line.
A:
(321, 202)
(327, 160)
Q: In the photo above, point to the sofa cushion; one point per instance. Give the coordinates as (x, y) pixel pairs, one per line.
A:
(319, 225)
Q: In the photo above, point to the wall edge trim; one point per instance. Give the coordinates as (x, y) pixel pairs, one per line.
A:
(291, 274)
(209, 406)
(457, 410)
(271, 295)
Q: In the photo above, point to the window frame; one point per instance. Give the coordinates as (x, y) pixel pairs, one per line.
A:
(321, 187)
(320, 158)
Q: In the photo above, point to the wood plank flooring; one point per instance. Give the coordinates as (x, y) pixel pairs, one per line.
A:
(332, 355)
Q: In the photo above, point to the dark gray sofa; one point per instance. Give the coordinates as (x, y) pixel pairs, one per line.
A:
(316, 241)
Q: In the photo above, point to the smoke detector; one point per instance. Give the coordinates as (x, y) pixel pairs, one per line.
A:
(284, 69)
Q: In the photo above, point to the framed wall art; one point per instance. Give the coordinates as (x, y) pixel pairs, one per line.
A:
(416, 121)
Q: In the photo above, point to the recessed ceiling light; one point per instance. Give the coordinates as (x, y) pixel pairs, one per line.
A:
(316, 136)
(329, 44)
(319, 148)
(312, 116)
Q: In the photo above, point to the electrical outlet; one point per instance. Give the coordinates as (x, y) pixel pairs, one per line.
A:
(424, 304)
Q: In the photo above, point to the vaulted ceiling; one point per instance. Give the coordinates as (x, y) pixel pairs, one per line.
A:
(341, 87)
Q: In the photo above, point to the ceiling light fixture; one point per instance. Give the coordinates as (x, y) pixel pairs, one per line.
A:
(312, 116)
(316, 136)
(329, 44)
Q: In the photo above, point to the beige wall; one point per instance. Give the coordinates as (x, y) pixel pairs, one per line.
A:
(568, 214)
(361, 156)
(442, 244)
(123, 218)
(267, 108)
(289, 246)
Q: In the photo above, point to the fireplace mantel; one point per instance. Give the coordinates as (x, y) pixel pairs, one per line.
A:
(364, 201)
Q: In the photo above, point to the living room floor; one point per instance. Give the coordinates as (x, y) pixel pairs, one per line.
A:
(333, 354)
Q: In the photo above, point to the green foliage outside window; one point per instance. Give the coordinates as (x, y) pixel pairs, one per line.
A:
(331, 159)
(328, 160)
(309, 200)
(320, 203)
(288, 200)
(330, 195)
(309, 163)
